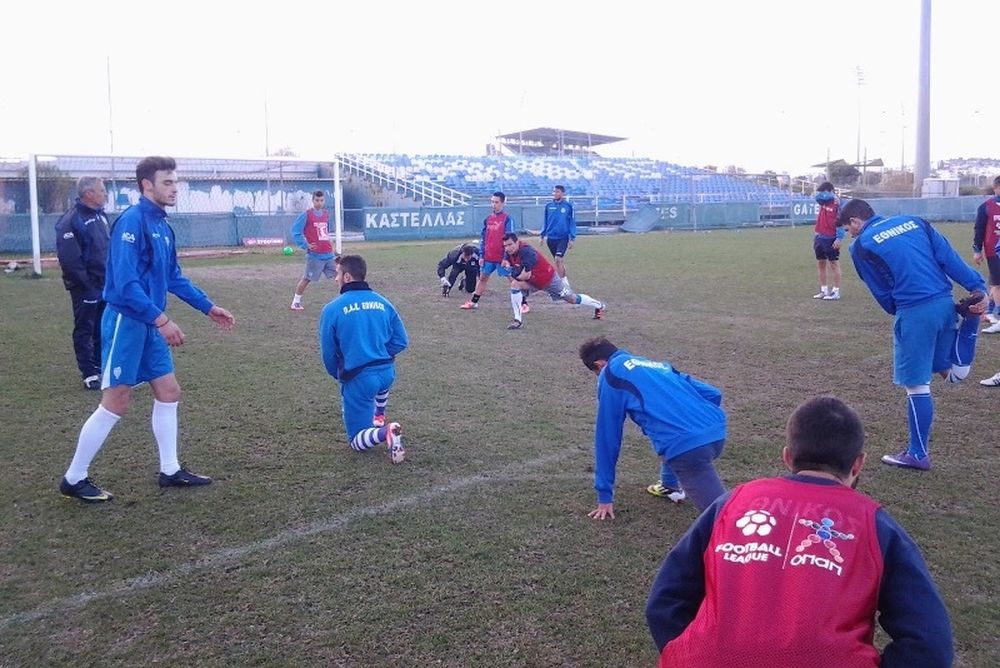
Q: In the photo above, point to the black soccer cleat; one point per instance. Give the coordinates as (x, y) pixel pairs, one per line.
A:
(184, 478)
(85, 490)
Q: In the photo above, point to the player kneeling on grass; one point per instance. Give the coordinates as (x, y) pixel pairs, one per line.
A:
(462, 260)
(681, 415)
(360, 334)
(793, 571)
(532, 272)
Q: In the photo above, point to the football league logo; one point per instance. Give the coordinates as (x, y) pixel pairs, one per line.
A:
(759, 522)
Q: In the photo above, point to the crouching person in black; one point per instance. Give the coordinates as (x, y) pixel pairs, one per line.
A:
(461, 258)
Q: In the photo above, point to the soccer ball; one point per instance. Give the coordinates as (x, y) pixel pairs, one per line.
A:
(758, 522)
(288, 250)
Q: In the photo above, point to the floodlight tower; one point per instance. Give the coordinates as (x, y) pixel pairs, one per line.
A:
(922, 165)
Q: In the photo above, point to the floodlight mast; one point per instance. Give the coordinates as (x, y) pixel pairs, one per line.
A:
(921, 168)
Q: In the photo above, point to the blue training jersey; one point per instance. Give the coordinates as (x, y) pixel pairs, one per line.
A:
(559, 222)
(904, 261)
(677, 412)
(142, 266)
(359, 329)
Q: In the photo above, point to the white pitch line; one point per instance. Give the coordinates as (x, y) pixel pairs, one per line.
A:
(233, 554)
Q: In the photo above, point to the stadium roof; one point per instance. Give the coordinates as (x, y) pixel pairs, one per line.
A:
(554, 141)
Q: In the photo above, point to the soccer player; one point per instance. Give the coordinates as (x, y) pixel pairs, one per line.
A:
(826, 243)
(311, 231)
(985, 244)
(559, 229)
(681, 415)
(792, 571)
(531, 272)
(462, 259)
(360, 334)
(82, 245)
(908, 267)
(136, 330)
(495, 226)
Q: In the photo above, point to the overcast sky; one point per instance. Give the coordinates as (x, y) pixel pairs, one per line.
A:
(762, 85)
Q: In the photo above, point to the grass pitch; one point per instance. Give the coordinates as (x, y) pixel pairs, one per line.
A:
(478, 549)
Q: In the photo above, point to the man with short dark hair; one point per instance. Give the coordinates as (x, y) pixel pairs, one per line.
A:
(311, 232)
(559, 229)
(909, 268)
(360, 334)
(793, 571)
(136, 331)
(531, 272)
(82, 246)
(463, 260)
(681, 415)
(495, 225)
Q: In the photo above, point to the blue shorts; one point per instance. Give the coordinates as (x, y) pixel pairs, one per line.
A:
(489, 267)
(358, 396)
(558, 247)
(132, 352)
(923, 337)
(824, 250)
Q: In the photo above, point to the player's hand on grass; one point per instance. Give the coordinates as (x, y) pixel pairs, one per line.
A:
(223, 318)
(603, 510)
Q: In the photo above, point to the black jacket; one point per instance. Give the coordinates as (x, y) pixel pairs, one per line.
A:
(454, 259)
(82, 245)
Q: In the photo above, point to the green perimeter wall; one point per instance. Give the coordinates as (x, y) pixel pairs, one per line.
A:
(205, 230)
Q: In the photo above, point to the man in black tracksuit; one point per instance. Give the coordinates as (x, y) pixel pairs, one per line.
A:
(461, 258)
(82, 246)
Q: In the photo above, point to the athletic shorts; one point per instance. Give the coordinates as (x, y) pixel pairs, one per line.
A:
(824, 249)
(132, 352)
(316, 267)
(557, 289)
(489, 267)
(923, 339)
(993, 264)
(558, 247)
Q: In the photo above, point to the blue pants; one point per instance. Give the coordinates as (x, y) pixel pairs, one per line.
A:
(697, 475)
(358, 396)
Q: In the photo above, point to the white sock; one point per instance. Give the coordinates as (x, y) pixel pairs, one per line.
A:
(165, 431)
(835, 291)
(588, 301)
(515, 303)
(824, 290)
(92, 436)
(296, 298)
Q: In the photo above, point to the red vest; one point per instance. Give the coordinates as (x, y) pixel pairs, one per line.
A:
(317, 231)
(494, 227)
(792, 574)
(992, 237)
(826, 219)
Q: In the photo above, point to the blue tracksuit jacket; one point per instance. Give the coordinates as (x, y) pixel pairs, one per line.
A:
(359, 329)
(676, 411)
(559, 222)
(142, 266)
(904, 261)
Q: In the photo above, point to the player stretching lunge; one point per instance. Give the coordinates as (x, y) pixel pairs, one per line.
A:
(532, 272)
(360, 335)
(495, 226)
